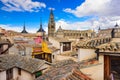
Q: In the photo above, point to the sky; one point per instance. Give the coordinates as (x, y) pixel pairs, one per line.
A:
(69, 14)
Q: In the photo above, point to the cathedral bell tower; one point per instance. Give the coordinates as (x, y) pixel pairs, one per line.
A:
(51, 25)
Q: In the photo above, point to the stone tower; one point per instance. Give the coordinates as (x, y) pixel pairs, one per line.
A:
(51, 25)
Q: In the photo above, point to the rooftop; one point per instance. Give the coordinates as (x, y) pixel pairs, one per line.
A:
(31, 65)
(112, 47)
(93, 43)
(64, 70)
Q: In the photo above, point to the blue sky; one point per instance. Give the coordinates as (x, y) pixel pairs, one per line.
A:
(70, 14)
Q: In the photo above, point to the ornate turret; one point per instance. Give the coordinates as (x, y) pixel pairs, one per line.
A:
(59, 29)
(51, 24)
(115, 33)
(24, 30)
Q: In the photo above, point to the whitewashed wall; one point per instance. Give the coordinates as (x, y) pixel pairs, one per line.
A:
(54, 43)
(84, 54)
(58, 45)
(15, 73)
(55, 55)
(26, 76)
(101, 60)
(95, 72)
(3, 75)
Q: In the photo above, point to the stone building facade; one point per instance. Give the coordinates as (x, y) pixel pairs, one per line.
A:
(110, 33)
(71, 34)
(74, 34)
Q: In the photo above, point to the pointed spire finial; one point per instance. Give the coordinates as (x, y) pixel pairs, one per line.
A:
(116, 24)
(24, 30)
(60, 27)
(40, 22)
(51, 11)
(41, 29)
(24, 26)
(99, 28)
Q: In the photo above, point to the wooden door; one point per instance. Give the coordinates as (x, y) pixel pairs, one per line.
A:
(106, 67)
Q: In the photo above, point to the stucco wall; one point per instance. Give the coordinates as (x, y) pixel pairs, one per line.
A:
(26, 76)
(15, 73)
(96, 72)
(54, 43)
(3, 75)
(84, 54)
(55, 55)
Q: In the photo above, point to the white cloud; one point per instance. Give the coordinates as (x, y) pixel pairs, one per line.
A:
(103, 22)
(17, 28)
(20, 28)
(22, 5)
(10, 27)
(96, 7)
(106, 11)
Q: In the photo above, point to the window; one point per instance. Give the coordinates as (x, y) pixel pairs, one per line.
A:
(66, 46)
(19, 71)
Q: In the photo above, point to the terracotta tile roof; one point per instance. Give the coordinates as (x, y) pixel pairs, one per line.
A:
(77, 75)
(64, 70)
(108, 47)
(92, 43)
(88, 63)
(26, 63)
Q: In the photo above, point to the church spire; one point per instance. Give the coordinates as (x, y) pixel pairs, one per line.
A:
(24, 29)
(116, 25)
(51, 19)
(99, 28)
(51, 12)
(41, 29)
